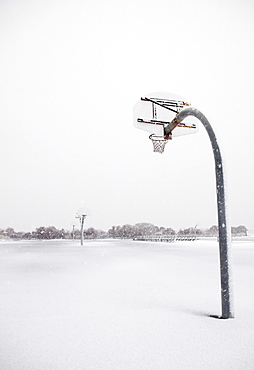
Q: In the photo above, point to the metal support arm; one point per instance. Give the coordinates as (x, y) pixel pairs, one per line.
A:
(224, 229)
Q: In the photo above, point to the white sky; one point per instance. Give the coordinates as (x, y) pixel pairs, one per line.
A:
(70, 74)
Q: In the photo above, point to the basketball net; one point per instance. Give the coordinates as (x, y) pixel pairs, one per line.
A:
(159, 143)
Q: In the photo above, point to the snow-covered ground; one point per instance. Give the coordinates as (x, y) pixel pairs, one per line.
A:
(123, 305)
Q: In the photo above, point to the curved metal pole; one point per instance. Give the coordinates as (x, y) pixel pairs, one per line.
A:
(224, 229)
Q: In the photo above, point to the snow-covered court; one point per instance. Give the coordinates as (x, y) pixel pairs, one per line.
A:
(122, 304)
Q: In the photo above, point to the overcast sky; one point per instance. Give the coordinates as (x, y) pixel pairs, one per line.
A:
(70, 74)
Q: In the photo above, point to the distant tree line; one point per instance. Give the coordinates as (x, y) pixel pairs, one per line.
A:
(124, 232)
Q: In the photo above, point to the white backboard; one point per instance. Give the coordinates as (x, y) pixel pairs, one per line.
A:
(151, 116)
(83, 211)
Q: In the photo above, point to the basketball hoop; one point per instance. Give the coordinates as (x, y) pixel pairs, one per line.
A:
(159, 143)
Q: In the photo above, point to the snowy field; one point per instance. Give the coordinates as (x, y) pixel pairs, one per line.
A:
(123, 305)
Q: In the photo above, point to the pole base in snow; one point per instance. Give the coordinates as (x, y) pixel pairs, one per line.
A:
(219, 317)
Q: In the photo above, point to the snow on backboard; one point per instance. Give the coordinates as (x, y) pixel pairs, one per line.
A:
(155, 111)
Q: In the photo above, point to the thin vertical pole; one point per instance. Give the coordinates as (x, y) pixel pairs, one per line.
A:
(224, 228)
(82, 228)
(73, 226)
